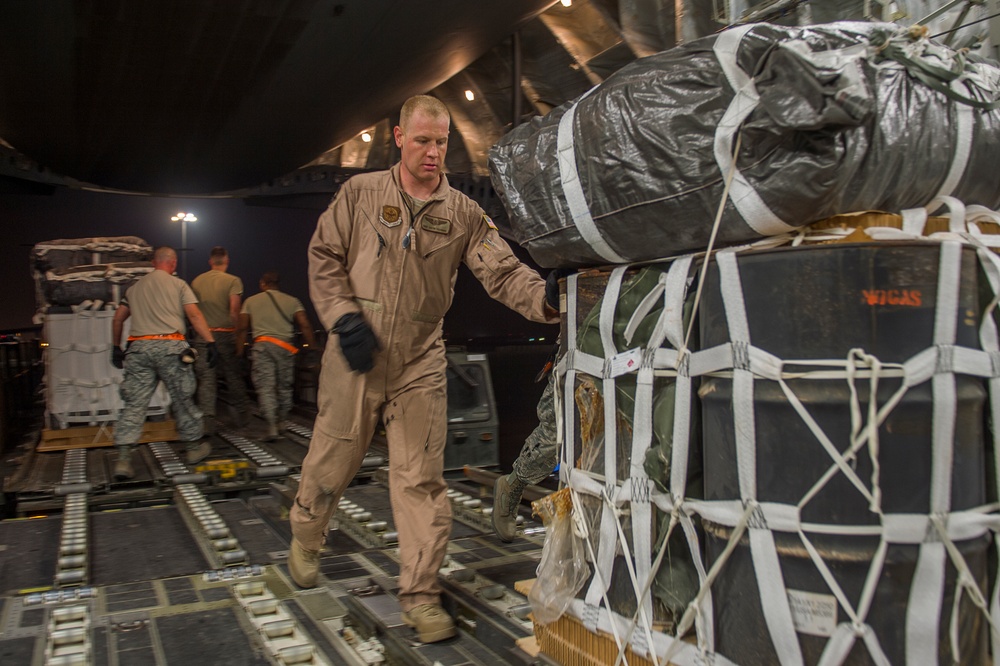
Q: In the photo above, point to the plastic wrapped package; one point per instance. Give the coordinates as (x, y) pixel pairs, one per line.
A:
(122, 275)
(635, 321)
(67, 252)
(827, 120)
(75, 284)
(563, 568)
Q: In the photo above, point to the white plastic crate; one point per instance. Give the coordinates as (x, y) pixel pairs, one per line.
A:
(81, 385)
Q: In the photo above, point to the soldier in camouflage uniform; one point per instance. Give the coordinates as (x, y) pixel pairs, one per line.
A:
(536, 461)
(271, 315)
(157, 304)
(219, 299)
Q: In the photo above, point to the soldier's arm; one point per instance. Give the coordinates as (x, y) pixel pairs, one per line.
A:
(234, 309)
(504, 277)
(198, 322)
(118, 324)
(243, 325)
(302, 319)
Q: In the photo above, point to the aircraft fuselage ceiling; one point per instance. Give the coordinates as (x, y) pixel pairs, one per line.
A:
(203, 96)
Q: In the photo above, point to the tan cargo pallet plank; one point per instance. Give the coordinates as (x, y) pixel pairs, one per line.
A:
(88, 437)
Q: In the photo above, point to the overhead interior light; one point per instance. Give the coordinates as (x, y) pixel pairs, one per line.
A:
(469, 95)
(366, 137)
(566, 3)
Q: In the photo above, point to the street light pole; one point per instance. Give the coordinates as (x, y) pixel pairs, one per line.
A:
(184, 218)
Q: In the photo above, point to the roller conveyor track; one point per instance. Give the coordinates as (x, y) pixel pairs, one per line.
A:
(174, 583)
(41, 485)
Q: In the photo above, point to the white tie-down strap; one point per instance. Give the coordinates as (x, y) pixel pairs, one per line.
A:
(567, 370)
(770, 583)
(973, 216)
(990, 342)
(572, 188)
(956, 213)
(670, 287)
(745, 198)
(743, 407)
(608, 536)
(963, 142)
(927, 588)
(899, 528)
(641, 486)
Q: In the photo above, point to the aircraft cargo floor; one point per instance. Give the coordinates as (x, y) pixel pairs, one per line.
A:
(179, 568)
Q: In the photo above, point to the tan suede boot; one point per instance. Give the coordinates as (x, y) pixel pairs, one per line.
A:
(303, 565)
(431, 622)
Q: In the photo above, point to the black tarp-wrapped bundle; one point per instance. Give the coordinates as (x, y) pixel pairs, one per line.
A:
(828, 119)
(72, 271)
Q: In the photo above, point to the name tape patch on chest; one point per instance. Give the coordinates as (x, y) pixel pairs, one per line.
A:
(437, 225)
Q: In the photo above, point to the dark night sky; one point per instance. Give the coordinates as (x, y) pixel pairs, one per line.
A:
(258, 238)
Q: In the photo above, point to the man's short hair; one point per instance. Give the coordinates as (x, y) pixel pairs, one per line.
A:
(431, 106)
(164, 253)
(270, 278)
(218, 255)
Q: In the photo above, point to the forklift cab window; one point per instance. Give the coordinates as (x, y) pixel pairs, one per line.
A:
(467, 396)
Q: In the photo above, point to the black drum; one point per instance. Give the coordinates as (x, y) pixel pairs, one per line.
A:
(816, 303)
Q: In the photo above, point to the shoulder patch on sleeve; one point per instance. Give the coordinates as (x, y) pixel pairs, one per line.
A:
(489, 222)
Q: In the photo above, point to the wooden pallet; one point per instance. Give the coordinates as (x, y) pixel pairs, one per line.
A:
(88, 437)
(567, 641)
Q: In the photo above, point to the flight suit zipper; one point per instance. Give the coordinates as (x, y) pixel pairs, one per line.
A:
(381, 240)
(407, 243)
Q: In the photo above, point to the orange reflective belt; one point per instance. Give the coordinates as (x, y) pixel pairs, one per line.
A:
(168, 336)
(223, 329)
(292, 349)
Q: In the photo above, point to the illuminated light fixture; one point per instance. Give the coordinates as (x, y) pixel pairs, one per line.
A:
(469, 95)
(566, 3)
(366, 137)
(184, 218)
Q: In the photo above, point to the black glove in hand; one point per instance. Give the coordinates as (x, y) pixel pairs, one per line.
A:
(552, 286)
(118, 357)
(213, 354)
(357, 341)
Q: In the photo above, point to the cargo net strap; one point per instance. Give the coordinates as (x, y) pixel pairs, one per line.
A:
(935, 533)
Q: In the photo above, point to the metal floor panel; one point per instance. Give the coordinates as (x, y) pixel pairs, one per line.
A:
(263, 546)
(207, 637)
(141, 544)
(155, 597)
(28, 550)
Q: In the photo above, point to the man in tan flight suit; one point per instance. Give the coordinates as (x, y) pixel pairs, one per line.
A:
(382, 269)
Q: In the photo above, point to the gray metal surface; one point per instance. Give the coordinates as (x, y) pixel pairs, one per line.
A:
(159, 594)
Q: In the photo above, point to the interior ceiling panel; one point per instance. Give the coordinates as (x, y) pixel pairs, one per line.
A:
(243, 97)
(200, 96)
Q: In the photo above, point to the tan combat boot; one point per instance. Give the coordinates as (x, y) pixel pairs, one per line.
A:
(303, 565)
(431, 622)
(506, 498)
(123, 467)
(196, 452)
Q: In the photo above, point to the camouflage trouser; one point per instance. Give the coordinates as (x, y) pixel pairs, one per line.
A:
(229, 365)
(273, 374)
(146, 363)
(540, 453)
